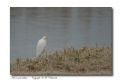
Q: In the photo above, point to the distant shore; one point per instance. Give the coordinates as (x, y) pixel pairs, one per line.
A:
(68, 61)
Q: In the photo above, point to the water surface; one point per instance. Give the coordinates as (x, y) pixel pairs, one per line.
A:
(66, 27)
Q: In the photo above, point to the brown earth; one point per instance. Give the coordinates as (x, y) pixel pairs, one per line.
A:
(69, 61)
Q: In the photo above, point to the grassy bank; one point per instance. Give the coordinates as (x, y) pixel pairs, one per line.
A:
(69, 61)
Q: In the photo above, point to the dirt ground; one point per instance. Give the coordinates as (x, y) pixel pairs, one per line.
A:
(67, 62)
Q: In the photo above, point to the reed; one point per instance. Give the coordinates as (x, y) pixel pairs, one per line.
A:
(67, 61)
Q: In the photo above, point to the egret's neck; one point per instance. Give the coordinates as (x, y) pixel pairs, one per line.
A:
(45, 37)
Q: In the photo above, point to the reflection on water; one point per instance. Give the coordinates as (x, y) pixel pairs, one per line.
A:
(66, 27)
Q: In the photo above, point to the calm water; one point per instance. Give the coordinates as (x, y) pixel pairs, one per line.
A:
(66, 27)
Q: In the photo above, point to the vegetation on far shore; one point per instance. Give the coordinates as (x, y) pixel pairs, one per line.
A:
(68, 61)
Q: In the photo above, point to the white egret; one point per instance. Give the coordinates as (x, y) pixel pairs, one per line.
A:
(40, 48)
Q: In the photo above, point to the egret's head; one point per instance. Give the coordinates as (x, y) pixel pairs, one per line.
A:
(45, 36)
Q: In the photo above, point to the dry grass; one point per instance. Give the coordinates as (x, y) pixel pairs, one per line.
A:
(69, 61)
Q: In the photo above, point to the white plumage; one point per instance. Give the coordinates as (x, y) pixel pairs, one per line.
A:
(40, 48)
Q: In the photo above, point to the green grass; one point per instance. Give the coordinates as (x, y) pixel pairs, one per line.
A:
(69, 61)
